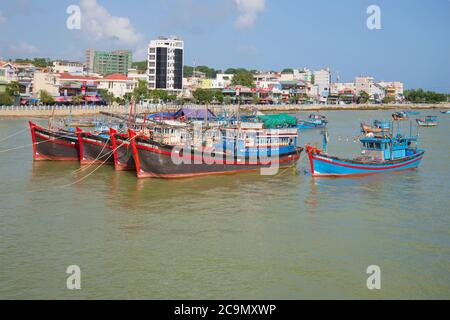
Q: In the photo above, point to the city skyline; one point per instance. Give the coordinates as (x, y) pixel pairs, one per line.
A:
(411, 45)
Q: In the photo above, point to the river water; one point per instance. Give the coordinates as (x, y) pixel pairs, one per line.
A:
(243, 236)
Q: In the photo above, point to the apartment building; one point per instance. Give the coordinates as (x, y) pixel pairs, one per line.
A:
(165, 64)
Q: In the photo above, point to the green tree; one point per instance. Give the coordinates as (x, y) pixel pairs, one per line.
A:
(45, 97)
(363, 97)
(218, 95)
(119, 101)
(210, 73)
(256, 99)
(106, 96)
(203, 96)
(158, 94)
(37, 62)
(140, 65)
(422, 96)
(238, 70)
(13, 88)
(243, 78)
(141, 91)
(288, 71)
(388, 99)
(6, 99)
(78, 99)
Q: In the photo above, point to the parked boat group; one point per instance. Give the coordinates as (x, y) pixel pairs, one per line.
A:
(196, 142)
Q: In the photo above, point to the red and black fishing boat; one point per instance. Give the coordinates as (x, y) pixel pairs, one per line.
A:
(95, 148)
(122, 151)
(154, 160)
(52, 144)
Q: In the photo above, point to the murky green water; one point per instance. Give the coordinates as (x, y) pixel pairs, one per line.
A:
(226, 237)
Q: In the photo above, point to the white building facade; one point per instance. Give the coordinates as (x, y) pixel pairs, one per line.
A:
(322, 79)
(165, 64)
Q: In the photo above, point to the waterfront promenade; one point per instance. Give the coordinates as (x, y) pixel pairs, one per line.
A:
(47, 111)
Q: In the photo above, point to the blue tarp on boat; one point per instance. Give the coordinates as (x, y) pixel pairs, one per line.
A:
(194, 113)
(164, 115)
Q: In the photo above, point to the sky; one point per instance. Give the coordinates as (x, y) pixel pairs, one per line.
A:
(412, 46)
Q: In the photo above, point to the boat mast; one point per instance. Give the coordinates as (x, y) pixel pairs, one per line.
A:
(239, 108)
(325, 138)
(391, 138)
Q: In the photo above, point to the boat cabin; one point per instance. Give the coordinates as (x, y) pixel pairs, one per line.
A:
(381, 148)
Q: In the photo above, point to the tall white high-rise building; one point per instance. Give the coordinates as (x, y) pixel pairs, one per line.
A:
(165, 64)
(322, 79)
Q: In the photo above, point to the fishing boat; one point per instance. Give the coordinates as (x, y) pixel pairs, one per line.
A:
(380, 154)
(400, 116)
(445, 112)
(314, 121)
(428, 121)
(54, 144)
(122, 151)
(179, 151)
(377, 127)
(95, 147)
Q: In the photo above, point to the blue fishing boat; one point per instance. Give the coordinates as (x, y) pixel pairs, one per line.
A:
(314, 121)
(380, 153)
(428, 121)
(446, 112)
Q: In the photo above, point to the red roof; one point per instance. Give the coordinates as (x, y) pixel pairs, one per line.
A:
(116, 76)
(4, 63)
(67, 76)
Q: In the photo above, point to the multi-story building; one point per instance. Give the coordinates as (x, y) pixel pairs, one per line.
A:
(394, 88)
(303, 74)
(7, 74)
(366, 84)
(222, 80)
(62, 66)
(25, 73)
(165, 64)
(322, 79)
(45, 81)
(105, 63)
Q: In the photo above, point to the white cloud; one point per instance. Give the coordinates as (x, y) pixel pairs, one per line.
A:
(22, 48)
(98, 24)
(248, 11)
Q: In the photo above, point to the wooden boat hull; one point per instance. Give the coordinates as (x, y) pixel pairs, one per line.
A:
(370, 129)
(52, 145)
(328, 166)
(94, 149)
(154, 160)
(122, 151)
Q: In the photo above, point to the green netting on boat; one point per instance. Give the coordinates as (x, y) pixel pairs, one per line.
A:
(274, 121)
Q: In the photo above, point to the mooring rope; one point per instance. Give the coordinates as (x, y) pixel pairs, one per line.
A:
(14, 134)
(92, 172)
(84, 168)
(31, 144)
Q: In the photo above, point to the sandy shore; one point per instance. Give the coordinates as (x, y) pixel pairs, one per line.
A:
(30, 112)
